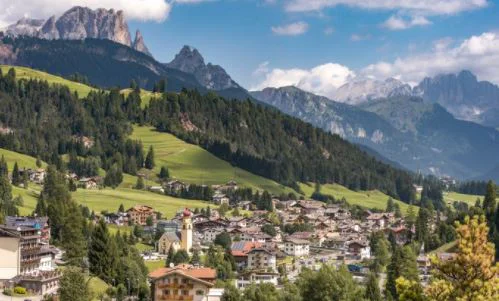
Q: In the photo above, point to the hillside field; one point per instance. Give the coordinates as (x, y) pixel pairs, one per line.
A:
(23, 161)
(368, 199)
(27, 73)
(193, 164)
(470, 199)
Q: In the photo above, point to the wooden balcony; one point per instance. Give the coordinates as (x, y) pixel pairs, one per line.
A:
(176, 286)
(175, 298)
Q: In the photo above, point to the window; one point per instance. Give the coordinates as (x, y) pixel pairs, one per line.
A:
(199, 292)
(166, 292)
(185, 292)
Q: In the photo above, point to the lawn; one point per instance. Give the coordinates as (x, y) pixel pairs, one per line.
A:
(97, 287)
(451, 197)
(27, 73)
(23, 161)
(110, 200)
(154, 265)
(193, 164)
(30, 197)
(368, 199)
(145, 96)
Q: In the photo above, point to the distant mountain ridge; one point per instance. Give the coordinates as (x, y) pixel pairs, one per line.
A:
(359, 91)
(414, 133)
(461, 94)
(79, 23)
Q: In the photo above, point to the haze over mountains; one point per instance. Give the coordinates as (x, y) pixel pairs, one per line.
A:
(423, 128)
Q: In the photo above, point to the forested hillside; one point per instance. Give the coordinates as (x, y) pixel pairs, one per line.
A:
(40, 119)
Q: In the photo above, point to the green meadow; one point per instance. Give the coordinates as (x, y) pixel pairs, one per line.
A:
(193, 164)
(28, 73)
(368, 199)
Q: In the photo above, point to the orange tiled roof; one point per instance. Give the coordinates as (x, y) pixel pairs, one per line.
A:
(187, 270)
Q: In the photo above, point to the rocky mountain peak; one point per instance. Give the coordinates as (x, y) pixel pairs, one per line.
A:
(364, 90)
(82, 22)
(139, 44)
(188, 60)
(24, 27)
(211, 76)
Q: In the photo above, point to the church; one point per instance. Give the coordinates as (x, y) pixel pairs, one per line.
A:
(181, 240)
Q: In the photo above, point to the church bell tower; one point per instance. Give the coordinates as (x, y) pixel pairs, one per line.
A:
(186, 235)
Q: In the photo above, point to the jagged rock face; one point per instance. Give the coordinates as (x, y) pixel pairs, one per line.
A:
(358, 92)
(213, 77)
(24, 27)
(139, 44)
(49, 30)
(81, 22)
(462, 95)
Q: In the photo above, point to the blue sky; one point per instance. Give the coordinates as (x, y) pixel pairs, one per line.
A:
(316, 45)
(238, 35)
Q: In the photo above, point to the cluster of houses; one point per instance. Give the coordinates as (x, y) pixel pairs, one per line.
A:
(26, 257)
(334, 235)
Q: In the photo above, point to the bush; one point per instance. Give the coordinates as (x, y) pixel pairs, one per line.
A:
(20, 290)
(7, 292)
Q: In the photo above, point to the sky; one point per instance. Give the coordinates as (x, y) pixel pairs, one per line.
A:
(316, 45)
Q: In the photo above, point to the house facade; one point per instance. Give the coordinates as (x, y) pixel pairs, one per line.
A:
(297, 247)
(182, 282)
(140, 213)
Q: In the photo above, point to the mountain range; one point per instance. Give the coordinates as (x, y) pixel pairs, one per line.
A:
(425, 128)
(461, 94)
(406, 129)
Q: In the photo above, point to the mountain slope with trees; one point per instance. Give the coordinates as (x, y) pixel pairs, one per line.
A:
(250, 136)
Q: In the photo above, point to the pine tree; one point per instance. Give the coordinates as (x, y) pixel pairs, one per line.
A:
(169, 257)
(102, 253)
(140, 183)
(372, 292)
(121, 208)
(16, 176)
(73, 240)
(164, 173)
(149, 163)
(390, 205)
(73, 286)
(38, 162)
(4, 170)
(489, 203)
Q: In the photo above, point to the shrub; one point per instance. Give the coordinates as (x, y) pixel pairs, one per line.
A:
(7, 292)
(19, 290)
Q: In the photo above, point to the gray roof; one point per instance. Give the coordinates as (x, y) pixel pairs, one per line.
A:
(170, 236)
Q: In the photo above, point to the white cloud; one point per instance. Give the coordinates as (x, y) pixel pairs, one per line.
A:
(480, 54)
(262, 69)
(400, 23)
(426, 7)
(328, 31)
(292, 29)
(321, 80)
(358, 37)
(144, 10)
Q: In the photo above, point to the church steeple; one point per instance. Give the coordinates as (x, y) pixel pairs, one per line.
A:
(186, 235)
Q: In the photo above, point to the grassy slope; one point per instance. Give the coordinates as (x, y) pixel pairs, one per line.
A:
(193, 164)
(23, 161)
(368, 199)
(145, 95)
(450, 197)
(98, 200)
(23, 72)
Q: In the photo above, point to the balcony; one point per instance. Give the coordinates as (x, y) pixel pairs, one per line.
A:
(176, 286)
(175, 298)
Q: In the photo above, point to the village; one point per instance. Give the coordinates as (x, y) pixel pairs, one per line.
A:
(267, 246)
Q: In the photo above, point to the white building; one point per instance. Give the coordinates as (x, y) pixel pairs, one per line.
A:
(262, 259)
(10, 255)
(256, 277)
(296, 247)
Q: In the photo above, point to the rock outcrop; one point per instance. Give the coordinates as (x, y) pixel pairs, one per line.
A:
(213, 77)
